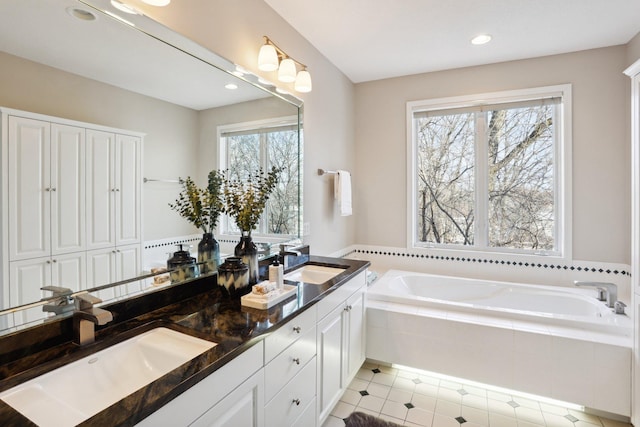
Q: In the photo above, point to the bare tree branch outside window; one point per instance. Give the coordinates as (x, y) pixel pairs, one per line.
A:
(519, 173)
(248, 152)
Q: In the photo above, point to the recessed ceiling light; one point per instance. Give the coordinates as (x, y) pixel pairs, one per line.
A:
(81, 14)
(123, 7)
(481, 39)
(157, 2)
(231, 86)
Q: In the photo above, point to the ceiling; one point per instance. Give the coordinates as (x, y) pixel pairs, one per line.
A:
(103, 49)
(377, 39)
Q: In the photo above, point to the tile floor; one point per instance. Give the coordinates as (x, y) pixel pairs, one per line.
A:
(414, 398)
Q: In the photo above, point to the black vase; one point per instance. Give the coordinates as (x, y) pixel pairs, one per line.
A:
(208, 253)
(248, 252)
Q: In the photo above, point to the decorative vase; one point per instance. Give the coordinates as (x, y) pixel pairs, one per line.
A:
(233, 276)
(248, 252)
(208, 253)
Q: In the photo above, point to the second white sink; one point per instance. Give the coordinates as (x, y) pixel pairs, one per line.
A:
(314, 274)
(75, 392)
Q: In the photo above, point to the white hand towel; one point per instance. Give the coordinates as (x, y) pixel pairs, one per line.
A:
(342, 191)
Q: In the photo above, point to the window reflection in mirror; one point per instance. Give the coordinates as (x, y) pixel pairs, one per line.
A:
(245, 148)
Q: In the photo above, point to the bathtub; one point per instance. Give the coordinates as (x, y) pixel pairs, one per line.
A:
(547, 304)
(543, 340)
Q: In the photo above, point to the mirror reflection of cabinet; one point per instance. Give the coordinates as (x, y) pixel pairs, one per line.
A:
(68, 193)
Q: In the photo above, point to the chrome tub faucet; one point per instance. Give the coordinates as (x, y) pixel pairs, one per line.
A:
(606, 291)
(86, 317)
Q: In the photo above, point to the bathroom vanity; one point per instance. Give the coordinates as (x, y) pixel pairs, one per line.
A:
(287, 365)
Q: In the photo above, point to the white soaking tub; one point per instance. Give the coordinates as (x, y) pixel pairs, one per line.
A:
(557, 342)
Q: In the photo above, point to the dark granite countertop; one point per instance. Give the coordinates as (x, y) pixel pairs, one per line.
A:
(198, 308)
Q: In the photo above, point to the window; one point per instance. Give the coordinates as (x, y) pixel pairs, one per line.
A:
(491, 172)
(247, 147)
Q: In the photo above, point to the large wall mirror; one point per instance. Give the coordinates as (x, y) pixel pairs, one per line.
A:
(84, 60)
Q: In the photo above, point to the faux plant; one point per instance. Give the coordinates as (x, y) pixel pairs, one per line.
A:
(201, 206)
(246, 199)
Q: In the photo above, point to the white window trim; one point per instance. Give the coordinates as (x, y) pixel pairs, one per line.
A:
(563, 171)
(221, 149)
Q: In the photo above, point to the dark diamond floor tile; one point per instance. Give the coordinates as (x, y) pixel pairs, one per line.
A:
(376, 371)
(409, 405)
(364, 393)
(461, 420)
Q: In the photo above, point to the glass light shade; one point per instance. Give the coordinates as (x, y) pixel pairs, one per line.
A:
(268, 58)
(303, 82)
(287, 71)
(157, 2)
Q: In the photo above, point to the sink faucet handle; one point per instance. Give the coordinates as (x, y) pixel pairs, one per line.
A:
(619, 307)
(58, 291)
(85, 301)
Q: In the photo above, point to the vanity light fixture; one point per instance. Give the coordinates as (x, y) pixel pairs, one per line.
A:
(481, 39)
(271, 58)
(123, 7)
(157, 2)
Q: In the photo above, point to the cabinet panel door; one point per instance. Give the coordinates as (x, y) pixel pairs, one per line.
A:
(128, 188)
(69, 271)
(243, 407)
(101, 270)
(355, 348)
(68, 227)
(128, 264)
(29, 188)
(26, 277)
(100, 189)
(329, 347)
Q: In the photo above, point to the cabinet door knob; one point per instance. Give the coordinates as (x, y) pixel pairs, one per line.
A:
(53, 189)
(297, 329)
(296, 401)
(296, 360)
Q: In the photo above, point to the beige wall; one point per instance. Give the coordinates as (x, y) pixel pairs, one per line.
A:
(601, 151)
(633, 50)
(234, 30)
(169, 146)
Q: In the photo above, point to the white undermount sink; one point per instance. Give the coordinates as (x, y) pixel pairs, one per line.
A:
(77, 391)
(314, 274)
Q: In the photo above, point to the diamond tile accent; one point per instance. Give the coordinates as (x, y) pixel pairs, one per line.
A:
(571, 418)
(376, 371)
(364, 393)
(409, 405)
(417, 380)
(462, 392)
(513, 404)
(461, 420)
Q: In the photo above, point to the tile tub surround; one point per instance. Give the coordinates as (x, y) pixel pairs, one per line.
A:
(573, 365)
(198, 308)
(416, 398)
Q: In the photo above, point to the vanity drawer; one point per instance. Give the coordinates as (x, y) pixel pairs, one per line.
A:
(288, 363)
(288, 334)
(294, 398)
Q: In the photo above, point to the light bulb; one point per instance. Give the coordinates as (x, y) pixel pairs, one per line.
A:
(268, 58)
(287, 71)
(303, 82)
(157, 2)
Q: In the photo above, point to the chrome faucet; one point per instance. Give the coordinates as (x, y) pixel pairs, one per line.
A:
(606, 291)
(60, 302)
(86, 317)
(286, 250)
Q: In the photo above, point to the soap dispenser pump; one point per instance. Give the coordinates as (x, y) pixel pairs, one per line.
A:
(276, 273)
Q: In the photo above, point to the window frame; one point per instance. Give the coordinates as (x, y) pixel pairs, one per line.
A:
(562, 171)
(254, 125)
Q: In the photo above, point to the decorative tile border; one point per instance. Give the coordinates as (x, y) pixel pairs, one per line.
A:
(399, 254)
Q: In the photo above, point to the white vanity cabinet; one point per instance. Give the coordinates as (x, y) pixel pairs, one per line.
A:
(53, 172)
(233, 396)
(111, 265)
(340, 342)
(290, 372)
(113, 190)
(28, 276)
(46, 188)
